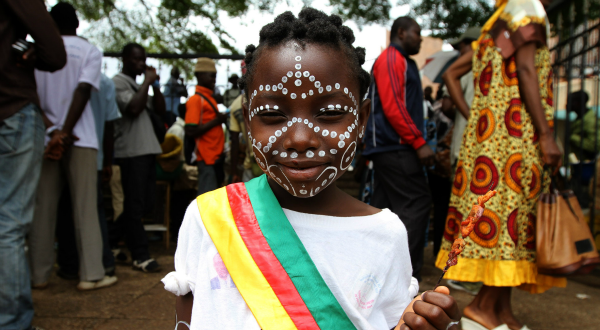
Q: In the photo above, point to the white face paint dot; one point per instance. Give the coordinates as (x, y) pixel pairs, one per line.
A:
(284, 129)
(317, 84)
(333, 152)
(306, 73)
(317, 189)
(293, 96)
(303, 192)
(353, 126)
(310, 125)
(331, 176)
(342, 137)
(278, 180)
(268, 88)
(280, 85)
(328, 88)
(331, 107)
(303, 95)
(255, 92)
(311, 78)
(345, 108)
(346, 90)
(272, 139)
(333, 134)
(298, 66)
(325, 132)
(347, 135)
(294, 120)
(354, 112)
(349, 129)
(284, 154)
(289, 124)
(350, 95)
(310, 154)
(266, 149)
(284, 91)
(320, 90)
(305, 121)
(298, 82)
(310, 92)
(317, 129)
(261, 107)
(277, 134)
(337, 106)
(286, 187)
(294, 155)
(324, 182)
(259, 145)
(321, 153)
(298, 74)
(260, 88)
(290, 74)
(341, 144)
(275, 152)
(337, 86)
(298, 58)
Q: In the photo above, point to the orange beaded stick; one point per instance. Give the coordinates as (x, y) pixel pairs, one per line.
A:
(466, 227)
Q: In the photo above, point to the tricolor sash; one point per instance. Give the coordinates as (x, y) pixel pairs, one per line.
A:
(267, 261)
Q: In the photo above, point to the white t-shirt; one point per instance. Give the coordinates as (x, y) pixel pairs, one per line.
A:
(84, 63)
(364, 261)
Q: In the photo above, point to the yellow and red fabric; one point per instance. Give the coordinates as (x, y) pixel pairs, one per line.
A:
(266, 259)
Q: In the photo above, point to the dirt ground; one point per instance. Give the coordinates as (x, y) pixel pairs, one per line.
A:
(139, 301)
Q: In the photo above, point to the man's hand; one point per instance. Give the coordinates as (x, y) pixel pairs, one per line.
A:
(58, 144)
(150, 75)
(551, 155)
(426, 155)
(431, 310)
(106, 173)
(222, 117)
(28, 58)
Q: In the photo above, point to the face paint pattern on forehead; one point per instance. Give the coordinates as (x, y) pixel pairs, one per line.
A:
(346, 147)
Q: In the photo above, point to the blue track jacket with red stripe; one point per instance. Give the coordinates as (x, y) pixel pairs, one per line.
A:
(396, 120)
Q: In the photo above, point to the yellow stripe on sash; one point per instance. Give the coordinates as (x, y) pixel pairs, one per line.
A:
(249, 280)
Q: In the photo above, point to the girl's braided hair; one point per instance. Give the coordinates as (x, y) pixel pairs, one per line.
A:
(311, 26)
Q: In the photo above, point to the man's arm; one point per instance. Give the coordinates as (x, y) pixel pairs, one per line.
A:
(389, 74)
(138, 102)
(49, 47)
(452, 77)
(193, 119)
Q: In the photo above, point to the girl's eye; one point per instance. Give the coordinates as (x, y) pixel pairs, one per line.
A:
(331, 113)
(271, 116)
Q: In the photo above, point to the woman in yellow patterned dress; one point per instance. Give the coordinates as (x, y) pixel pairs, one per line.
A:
(506, 145)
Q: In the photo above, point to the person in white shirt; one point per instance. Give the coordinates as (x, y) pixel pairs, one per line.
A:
(70, 157)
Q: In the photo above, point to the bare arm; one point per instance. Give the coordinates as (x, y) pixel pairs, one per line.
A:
(137, 104)
(81, 96)
(452, 76)
(200, 129)
(235, 155)
(183, 307)
(530, 93)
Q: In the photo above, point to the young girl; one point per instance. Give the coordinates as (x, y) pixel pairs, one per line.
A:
(289, 250)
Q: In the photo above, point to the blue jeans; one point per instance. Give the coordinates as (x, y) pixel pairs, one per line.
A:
(21, 150)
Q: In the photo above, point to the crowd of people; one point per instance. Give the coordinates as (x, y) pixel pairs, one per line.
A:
(68, 132)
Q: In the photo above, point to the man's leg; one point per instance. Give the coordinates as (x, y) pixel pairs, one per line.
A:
(21, 148)
(43, 227)
(207, 178)
(108, 260)
(400, 176)
(133, 178)
(82, 175)
(66, 255)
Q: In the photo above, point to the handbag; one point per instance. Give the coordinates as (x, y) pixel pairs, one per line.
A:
(564, 243)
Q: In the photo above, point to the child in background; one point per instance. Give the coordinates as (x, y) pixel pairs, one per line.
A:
(289, 250)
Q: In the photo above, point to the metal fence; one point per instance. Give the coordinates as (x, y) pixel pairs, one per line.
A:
(576, 66)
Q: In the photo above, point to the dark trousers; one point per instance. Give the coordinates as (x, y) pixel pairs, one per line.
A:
(67, 256)
(441, 188)
(138, 177)
(401, 186)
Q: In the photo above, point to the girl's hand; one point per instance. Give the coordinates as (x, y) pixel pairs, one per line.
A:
(432, 310)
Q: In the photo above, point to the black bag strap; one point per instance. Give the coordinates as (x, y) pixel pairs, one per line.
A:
(209, 102)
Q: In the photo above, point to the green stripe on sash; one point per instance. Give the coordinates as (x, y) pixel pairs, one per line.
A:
(294, 258)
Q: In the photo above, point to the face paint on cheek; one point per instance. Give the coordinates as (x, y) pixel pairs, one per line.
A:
(269, 153)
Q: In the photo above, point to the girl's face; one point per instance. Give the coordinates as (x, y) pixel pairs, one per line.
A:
(304, 116)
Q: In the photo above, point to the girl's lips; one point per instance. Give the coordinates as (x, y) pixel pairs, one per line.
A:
(302, 172)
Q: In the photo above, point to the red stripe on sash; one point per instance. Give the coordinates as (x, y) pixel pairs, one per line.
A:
(266, 261)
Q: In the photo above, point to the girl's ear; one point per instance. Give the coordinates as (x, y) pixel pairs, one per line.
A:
(363, 116)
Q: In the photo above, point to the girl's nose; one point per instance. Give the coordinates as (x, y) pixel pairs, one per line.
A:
(301, 138)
